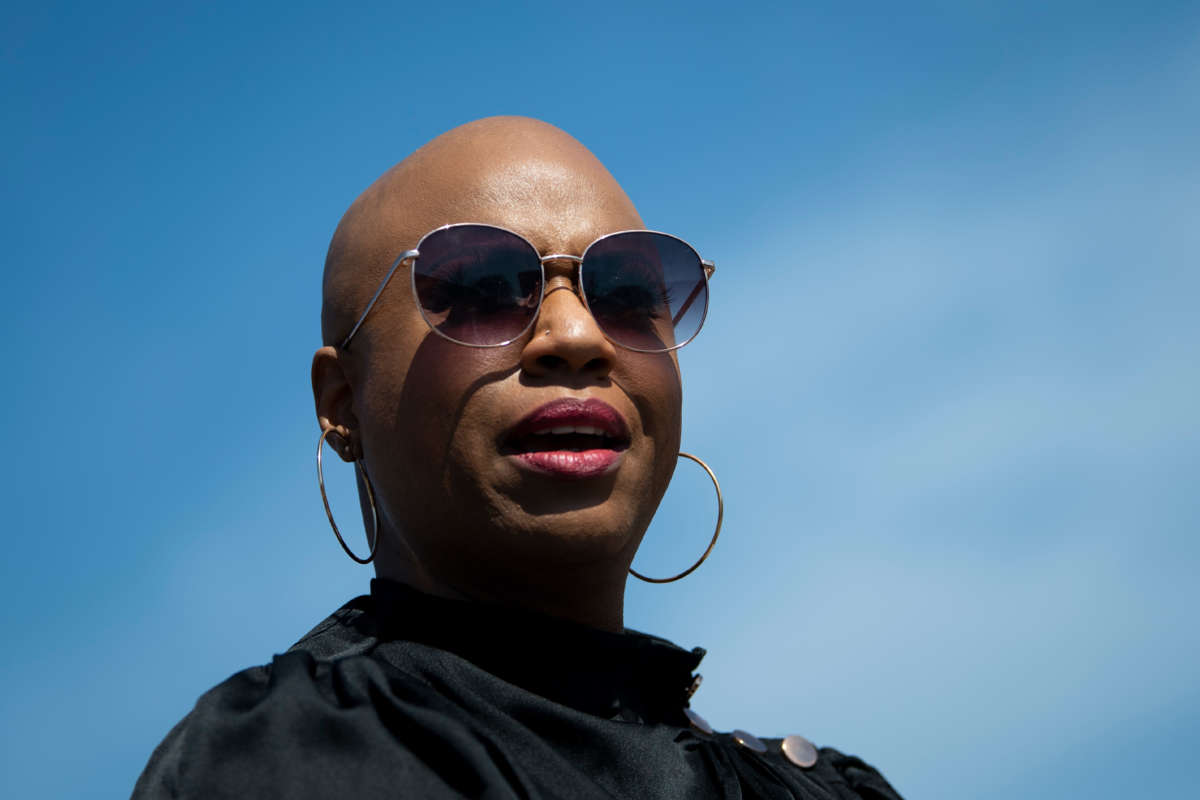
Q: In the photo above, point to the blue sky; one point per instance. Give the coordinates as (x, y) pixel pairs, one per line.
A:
(949, 378)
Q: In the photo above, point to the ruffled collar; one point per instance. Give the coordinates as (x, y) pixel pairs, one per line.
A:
(630, 676)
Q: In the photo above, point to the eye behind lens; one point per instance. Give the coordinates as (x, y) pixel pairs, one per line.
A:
(477, 284)
(646, 289)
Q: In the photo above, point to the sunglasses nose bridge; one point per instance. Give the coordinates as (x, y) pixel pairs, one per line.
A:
(576, 260)
(549, 273)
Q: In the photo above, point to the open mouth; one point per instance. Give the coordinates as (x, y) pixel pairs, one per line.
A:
(569, 438)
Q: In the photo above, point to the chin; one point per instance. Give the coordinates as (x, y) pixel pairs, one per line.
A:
(575, 534)
(547, 519)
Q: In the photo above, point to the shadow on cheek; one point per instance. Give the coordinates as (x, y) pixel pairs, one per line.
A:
(442, 378)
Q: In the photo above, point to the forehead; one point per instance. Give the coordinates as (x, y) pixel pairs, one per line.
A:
(557, 206)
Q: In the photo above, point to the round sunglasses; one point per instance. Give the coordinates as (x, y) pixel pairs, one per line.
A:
(482, 286)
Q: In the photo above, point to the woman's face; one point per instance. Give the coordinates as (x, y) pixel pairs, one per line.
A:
(471, 485)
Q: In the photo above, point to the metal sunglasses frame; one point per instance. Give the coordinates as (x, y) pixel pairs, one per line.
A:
(707, 268)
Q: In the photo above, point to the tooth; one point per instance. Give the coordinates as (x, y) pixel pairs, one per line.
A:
(563, 429)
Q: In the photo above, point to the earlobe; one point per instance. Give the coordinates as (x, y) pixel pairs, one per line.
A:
(334, 399)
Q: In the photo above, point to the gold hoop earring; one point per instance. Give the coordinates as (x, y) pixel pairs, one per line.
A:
(329, 512)
(711, 544)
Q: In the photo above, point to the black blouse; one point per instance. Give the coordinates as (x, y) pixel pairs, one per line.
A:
(403, 695)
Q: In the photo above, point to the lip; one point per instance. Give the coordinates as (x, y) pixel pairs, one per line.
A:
(594, 416)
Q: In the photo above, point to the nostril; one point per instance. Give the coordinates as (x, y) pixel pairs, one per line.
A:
(551, 363)
(597, 364)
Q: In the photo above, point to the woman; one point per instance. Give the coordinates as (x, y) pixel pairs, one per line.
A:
(513, 414)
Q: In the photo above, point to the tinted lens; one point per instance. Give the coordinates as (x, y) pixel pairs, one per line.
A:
(477, 284)
(646, 290)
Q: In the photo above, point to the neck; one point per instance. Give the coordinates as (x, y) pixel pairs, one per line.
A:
(584, 594)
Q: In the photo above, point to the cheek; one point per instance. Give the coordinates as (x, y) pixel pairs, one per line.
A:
(419, 415)
(432, 402)
(653, 383)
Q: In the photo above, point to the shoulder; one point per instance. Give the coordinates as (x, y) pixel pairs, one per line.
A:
(318, 721)
(808, 771)
(852, 777)
(303, 727)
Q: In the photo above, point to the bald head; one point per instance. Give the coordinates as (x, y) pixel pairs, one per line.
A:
(515, 172)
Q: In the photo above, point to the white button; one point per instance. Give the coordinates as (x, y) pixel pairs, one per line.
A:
(799, 751)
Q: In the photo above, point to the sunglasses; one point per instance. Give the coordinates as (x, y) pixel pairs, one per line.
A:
(482, 286)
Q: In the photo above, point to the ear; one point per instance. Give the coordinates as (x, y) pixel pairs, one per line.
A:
(334, 398)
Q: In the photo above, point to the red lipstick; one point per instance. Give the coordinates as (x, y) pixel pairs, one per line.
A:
(570, 439)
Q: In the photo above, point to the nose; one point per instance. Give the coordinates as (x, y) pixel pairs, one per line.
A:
(566, 340)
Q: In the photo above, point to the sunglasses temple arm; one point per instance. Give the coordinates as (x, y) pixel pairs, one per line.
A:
(407, 254)
(688, 303)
